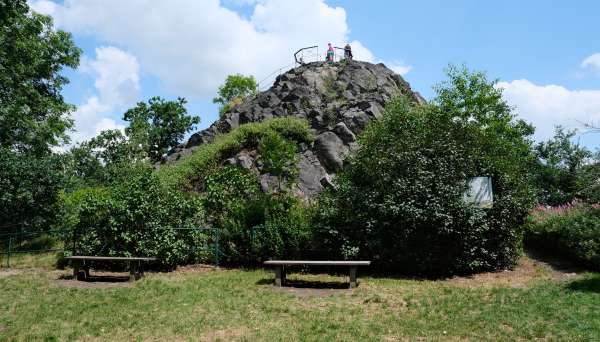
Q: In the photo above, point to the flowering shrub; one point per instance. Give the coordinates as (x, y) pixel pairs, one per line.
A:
(571, 230)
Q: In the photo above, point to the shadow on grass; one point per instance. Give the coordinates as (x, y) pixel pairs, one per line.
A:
(99, 278)
(307, 284)
(590, 283)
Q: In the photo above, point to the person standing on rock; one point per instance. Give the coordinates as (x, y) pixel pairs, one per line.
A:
(348, 52)
(330, 53)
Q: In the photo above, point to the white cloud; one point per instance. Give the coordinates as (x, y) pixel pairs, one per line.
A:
(192, 45)
(548, 105)
(117, 86)
(592, 62)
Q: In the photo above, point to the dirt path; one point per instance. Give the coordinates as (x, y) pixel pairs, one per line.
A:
(532, 267)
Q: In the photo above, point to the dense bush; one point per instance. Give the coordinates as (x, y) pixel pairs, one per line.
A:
(571, 230)
(135, 215)
(400, 200)
(29, 189)
(135, 218)
(254, 225)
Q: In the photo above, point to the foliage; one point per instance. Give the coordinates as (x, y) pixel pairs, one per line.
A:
(400, 203)
(186, 173)
(134, 218)
(103, 160)
(571, 230)
(29, 187)
(278, 156)
(159, 125)
(254, 225)
(588, 182)
(559, 168)
(33, 113)
(234, 90)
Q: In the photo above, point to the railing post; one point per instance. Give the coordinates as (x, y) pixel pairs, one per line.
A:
(8, 254)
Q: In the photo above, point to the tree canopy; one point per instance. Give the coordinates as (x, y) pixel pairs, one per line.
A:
(158, 125)
(234, 90)
(33, 114)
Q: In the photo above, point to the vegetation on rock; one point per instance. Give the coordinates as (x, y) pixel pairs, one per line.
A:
(235, 89)
(400, 200)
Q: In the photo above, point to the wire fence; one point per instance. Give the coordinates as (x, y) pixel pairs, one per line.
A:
(67, 241)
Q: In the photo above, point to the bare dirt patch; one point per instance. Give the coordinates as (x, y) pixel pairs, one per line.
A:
(196, 268)
(7, 272)
(2, 328)
(225, 334)
(530, 268)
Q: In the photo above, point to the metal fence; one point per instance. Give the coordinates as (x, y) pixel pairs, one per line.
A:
(54, 241)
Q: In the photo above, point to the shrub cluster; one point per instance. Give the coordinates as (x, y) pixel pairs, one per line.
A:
(138, 215)
(254, 225)
(570, 230)
(400, 200)
(134, 218)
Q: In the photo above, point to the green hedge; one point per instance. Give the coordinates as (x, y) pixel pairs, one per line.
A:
(572, 231)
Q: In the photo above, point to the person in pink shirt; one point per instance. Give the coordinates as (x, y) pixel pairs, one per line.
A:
(330, 53)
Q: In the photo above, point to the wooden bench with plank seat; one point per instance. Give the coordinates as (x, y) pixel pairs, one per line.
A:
(81, 270)
(279, 266)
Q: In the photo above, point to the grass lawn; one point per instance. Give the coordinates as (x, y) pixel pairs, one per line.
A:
(206, 304)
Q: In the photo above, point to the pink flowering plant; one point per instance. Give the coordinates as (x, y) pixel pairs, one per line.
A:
(571, 230)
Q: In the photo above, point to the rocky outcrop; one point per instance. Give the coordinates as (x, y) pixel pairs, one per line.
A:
(337, 100)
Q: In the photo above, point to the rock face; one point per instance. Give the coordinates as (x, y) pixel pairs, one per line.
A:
(337, 100)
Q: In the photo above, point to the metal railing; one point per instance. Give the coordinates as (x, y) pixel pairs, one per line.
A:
(304, 55)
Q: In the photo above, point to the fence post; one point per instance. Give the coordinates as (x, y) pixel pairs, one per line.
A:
(8, 254)
(217, 247)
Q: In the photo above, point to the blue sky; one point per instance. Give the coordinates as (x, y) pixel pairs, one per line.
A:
(543, 52)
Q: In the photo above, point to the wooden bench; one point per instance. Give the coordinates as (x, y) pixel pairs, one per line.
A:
(279, 266)
(81, 270)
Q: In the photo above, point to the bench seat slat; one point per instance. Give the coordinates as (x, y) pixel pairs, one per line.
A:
(317, 262)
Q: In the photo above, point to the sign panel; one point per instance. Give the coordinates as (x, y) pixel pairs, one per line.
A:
(479, 192)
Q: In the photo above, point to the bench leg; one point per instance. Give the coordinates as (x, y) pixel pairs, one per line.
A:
(133, 271)
(352, 277)
(75, 265)
(279, 275)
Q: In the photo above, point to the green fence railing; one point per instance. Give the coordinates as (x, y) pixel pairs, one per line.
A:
(23, 242)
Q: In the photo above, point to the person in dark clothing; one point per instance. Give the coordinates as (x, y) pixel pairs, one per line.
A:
(348, 52)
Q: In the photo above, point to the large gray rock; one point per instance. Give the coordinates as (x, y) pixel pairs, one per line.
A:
(337, 100)
(331, 151)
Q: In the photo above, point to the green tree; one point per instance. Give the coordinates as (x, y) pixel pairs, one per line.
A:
(559, 168)
(158, 125)
(235, 89)
(278, 156)
(33, 113)
(400, 201)
(29, 189)
(105, 159)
